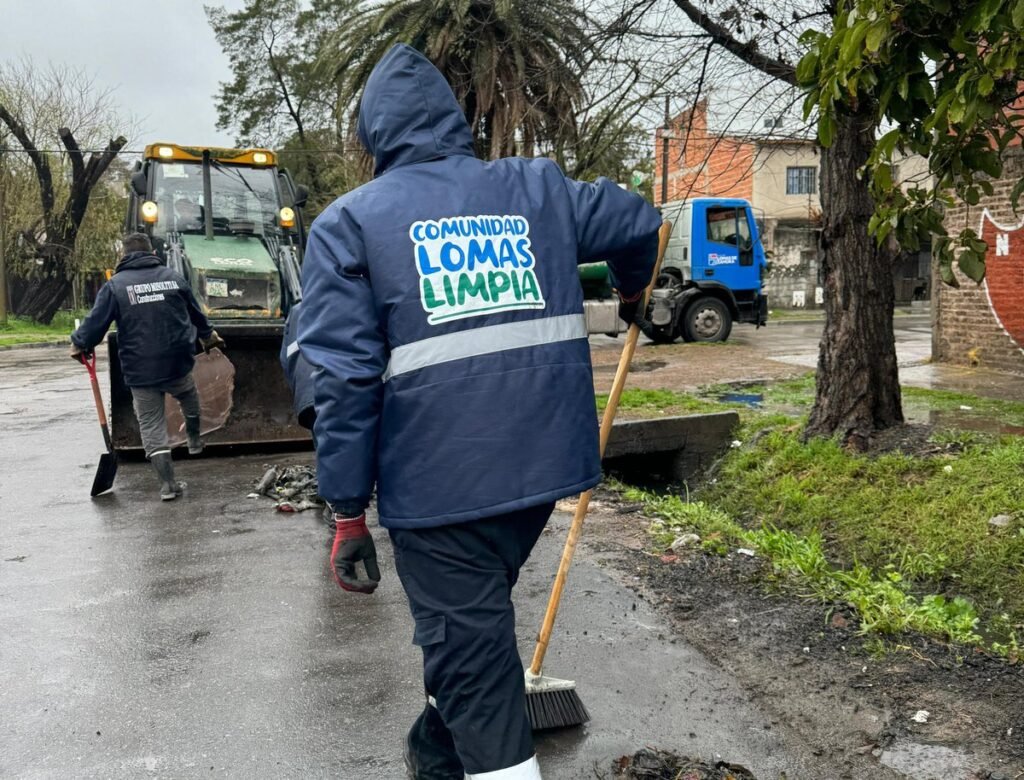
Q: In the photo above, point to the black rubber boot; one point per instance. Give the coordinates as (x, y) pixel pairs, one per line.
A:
(429, 750)
(170, 488)
(195, 442)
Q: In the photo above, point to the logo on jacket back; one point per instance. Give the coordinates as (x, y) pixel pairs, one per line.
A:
(470, 266)
(149, 292)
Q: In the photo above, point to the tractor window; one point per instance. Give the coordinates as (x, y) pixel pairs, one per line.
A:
(238, 194)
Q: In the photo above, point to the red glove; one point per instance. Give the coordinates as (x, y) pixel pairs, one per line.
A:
(353, 543)
(629, 308)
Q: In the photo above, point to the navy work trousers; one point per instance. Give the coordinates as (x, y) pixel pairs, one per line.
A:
(459, 581)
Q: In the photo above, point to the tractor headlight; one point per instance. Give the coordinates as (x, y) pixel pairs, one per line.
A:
(150, 212)
(287, 216)
(165, 151)
(260, 158)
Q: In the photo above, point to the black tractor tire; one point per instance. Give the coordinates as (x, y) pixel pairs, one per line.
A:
(707, 319)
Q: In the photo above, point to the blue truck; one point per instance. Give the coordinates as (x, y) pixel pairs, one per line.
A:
(713, 272)
(712, 275)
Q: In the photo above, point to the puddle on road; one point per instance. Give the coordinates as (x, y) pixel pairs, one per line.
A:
(965, 421)
(927, 762)
(753, 400)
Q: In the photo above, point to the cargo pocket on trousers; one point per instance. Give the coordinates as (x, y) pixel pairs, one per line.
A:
(429, 631)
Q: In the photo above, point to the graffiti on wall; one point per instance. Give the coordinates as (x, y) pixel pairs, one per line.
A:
(1004, 274)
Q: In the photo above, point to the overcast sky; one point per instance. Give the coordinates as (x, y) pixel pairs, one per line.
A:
(159, 56)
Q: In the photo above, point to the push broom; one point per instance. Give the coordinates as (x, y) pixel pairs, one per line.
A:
(552, 703)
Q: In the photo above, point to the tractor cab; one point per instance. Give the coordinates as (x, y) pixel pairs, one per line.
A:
(229, 220)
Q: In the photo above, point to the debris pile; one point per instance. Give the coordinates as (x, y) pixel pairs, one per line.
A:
(293, 488)
(650, 764)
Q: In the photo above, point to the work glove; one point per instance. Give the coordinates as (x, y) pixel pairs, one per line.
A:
(80, 355)
(213, 342)
(629, 308)
(353, 543)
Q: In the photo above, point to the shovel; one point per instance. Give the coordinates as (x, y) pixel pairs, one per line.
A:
(107, 468)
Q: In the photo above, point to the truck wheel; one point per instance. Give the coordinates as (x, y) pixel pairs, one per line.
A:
(707, 319)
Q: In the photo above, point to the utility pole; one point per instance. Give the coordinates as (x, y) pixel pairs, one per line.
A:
(664, 153)
(3, 247)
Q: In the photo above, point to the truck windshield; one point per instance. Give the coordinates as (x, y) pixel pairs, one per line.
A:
(728, 225)
(239, 194)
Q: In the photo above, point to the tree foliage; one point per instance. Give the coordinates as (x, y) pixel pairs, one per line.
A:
(278, 92)
(947, 77)
(514, 65)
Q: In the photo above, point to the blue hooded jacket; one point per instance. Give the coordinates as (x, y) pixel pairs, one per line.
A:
(443, 312)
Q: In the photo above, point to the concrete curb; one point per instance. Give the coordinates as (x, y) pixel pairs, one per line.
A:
(37, 345)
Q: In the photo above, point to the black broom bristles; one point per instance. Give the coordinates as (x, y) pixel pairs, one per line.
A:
(555, 709)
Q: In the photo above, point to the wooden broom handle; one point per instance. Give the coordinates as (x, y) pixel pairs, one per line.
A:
(632, 335)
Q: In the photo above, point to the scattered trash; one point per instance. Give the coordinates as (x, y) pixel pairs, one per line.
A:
(1000, 521)
(736, 444)
(685, 540)
(745, 551)
(650, 764)
(966, 408)
(669, 558)
(948, 469)
(294, 488)
(921, 716)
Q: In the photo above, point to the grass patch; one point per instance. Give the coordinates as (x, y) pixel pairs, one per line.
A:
(651, 403)
(21, 330)
(905, 541)
(924, 518)
(884, 602)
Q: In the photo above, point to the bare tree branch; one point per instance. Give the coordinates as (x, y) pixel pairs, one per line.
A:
(744, 50)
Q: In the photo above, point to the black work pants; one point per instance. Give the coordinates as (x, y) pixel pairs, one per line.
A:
(459, 581)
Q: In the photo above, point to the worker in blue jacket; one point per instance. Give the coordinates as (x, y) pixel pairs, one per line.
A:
(158, 320)
(443, 313)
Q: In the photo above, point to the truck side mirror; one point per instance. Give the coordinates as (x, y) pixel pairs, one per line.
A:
(301, 195)
(139, 183)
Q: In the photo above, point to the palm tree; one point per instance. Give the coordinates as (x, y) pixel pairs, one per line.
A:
(515, 65)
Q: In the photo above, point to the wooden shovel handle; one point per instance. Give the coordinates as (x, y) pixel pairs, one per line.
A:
(632, 335)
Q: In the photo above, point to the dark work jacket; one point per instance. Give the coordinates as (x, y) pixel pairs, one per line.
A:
(443, 311)
(297, 371)
(157, 319)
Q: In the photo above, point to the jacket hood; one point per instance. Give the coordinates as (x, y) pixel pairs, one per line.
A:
(138, 260)
(409, 114)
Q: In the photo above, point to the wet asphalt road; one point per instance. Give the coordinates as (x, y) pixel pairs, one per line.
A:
(204, 637)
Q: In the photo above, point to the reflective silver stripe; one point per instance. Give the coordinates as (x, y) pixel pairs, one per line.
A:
(484, 341)
(528, 770)
(292, 349)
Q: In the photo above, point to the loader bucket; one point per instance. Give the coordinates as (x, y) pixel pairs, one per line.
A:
(261, 403)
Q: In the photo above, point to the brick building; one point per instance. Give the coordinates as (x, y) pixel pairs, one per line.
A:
(984, 325)
(778, 174)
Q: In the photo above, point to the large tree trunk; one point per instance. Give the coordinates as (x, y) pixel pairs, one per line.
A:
(44, 298)
(48, 291)
(858, 389)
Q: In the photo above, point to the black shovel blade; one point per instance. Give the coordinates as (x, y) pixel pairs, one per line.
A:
(105, 473)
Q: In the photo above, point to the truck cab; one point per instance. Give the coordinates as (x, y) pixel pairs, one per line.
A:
(712, 273)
